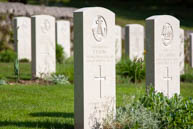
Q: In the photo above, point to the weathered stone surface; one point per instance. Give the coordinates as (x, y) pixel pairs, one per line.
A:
(22, 37)
(63, 36)
(118, 43)
(94, 58)
(182, 57)
(43, 45)
(191, 50)
(162, 57)
(134, 41)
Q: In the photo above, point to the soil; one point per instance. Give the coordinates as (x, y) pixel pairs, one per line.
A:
(31, 82)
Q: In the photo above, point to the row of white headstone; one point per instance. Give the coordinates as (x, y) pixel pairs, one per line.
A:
(134, 40)
(94, 61)
(35, 39)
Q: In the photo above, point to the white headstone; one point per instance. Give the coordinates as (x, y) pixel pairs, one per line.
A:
(94, 58)
(134, 41)
(63, 35)
(43, 45)
(191, 50)
(181, 51)
(162, 57)
(118, 43)
(22, 37)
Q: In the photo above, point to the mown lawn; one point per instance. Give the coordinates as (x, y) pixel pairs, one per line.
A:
(50, 106)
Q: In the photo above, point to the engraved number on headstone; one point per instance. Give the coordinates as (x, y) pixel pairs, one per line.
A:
(167, 34)
(167, 78)
(45, 26)
(100, 78)
(99, 28)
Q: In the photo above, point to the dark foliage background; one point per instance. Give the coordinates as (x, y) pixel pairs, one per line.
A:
(186, 3)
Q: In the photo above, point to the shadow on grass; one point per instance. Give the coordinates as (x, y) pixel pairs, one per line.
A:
(52, 114)
(38, 124)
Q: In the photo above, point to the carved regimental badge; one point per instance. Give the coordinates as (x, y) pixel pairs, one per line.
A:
(45, 26)
(167, 34)
(99, 28)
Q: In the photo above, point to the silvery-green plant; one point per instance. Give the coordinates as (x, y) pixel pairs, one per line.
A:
(2, 82)
(59, 79)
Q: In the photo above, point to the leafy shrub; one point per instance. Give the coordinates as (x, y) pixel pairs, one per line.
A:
(59, 54)
(188, 77)
(135, 70)
(69, 60)
(154, 111)
(6, 31)
(7, 56)
(174, 113)
(24, 60)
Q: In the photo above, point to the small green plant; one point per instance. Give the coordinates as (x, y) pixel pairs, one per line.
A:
(187, 77)
(68, 70)
(24, 60)
(69, 60)
(59, 54)
(58, 79)
(7, 55)
(173, 113)
(188, 74)
(135, 70)
(16, 68)
(2, 80)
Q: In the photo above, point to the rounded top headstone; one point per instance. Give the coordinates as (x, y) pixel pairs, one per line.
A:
(99, 20)
(137, 25)
(162, 17)
(89, 9)
(21, 17)
(168, 24)
(42, 16)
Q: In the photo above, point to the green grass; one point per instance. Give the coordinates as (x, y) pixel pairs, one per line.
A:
(36, 107)
(7, 70)
(51, 106)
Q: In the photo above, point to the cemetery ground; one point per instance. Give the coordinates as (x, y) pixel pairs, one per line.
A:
(51, 106)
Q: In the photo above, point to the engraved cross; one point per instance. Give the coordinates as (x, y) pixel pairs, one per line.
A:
(100, 78)
(167, 78)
